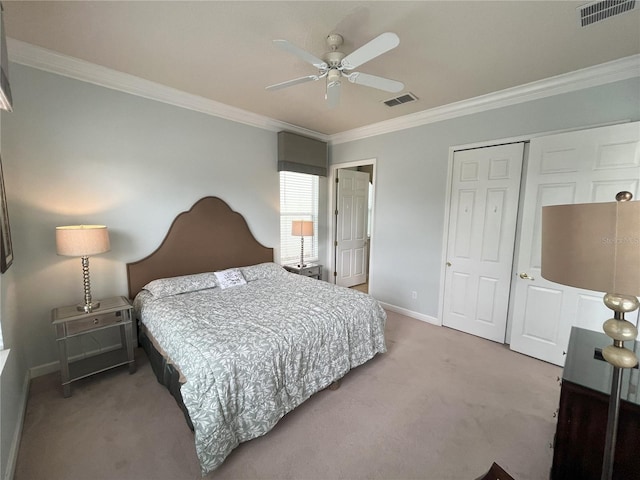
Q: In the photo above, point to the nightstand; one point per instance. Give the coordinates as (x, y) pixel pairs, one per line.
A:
(312, 270)
(69, 322)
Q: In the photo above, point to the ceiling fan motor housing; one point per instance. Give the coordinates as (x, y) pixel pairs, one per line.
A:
(333, 76)
(333, 59)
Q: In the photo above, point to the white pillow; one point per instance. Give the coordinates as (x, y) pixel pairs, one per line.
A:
(164, 287)
(261, 271)
(231, 277)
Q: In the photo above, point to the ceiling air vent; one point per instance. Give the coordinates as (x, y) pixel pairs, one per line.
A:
(407, 97)
(595, 11)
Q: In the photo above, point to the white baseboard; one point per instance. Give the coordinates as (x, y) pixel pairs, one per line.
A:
(410, 313)
(45, 369)
(48, 368)
(12, 458)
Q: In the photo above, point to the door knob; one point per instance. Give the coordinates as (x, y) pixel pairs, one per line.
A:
(525, 276)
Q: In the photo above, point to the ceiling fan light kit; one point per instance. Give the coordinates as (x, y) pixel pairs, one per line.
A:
(336, 65)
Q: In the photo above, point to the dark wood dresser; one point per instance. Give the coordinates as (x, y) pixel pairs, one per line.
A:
(582, 416)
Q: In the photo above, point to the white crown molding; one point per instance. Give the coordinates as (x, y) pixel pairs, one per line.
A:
(53, 62)
(50, 61)
(617, 70)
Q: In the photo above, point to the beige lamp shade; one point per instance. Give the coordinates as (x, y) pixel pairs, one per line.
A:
(82, 240)
(302, 228)
(594, 246)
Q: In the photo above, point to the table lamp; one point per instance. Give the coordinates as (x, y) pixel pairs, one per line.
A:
(302, 228)
(596, 246)
(83, 241)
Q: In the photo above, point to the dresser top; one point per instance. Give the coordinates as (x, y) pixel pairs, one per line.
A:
(583, 369)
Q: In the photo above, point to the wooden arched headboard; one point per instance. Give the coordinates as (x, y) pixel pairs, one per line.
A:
(208, 237)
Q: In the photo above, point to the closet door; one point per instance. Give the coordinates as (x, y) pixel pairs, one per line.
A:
(578, 167)
(481, 237)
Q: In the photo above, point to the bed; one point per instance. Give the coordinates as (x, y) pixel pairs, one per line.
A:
(237, 339)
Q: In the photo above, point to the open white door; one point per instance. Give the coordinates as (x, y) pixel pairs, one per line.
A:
(352, 199)
(481, 237)
(578, 167)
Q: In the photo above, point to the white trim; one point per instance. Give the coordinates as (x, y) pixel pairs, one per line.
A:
(410, 313)
(53, 62)
(614, 71)
(12, 457)
(44, 369)
(50, 61)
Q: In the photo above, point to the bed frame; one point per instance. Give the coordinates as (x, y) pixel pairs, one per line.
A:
(208, 237)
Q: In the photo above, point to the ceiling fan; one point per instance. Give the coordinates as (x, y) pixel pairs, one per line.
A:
(337, 65)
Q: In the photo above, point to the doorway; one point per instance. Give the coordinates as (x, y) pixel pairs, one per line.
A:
(351, 219)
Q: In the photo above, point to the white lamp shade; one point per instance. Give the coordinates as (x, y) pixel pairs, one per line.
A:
(594, 246)
(302, 228)
(82, 240)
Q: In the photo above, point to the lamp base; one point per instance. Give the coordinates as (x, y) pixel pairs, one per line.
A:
(88, 307)
(620, 330)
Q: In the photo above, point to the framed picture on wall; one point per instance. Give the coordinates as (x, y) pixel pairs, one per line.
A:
(6, 249)
(5, 90)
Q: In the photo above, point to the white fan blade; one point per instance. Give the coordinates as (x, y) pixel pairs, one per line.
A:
(304, 55)
(379, 45)
(374, 81)
(333, 94)
(295, 81)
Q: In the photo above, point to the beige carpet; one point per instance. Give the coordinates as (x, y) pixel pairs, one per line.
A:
(439, 405)
(363, 287)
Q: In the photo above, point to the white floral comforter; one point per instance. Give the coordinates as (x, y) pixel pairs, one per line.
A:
(252, 353)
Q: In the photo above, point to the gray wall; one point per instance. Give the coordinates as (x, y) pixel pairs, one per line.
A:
(78, 153)
(412, 168)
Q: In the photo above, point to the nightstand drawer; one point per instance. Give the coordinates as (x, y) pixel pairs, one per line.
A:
(310, 271)
(94, 322)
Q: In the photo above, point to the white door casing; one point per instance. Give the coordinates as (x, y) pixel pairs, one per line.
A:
(481, 237)
(577, 167)
(352, 200)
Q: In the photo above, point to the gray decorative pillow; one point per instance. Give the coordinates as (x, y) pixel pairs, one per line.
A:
(231, 277)
(262, 271)
(164, 287)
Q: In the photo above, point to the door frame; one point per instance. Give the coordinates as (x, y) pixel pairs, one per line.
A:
(331, 218)
(526, 139)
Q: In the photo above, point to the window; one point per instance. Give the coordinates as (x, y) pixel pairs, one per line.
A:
(298, 201)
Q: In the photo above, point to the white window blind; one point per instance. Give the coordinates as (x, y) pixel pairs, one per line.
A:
(298, 201)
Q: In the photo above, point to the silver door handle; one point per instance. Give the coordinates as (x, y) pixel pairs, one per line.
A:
(525, 276)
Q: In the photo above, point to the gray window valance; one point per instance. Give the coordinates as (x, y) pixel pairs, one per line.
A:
(302, 154)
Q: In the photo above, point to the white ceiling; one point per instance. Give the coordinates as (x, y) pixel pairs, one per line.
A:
(449, 50)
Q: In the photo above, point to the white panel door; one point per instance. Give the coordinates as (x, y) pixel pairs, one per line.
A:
(351, 227)
(578, 167)
(481, 236)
